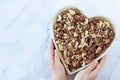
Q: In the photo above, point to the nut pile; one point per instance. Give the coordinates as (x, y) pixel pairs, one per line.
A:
(80, 39)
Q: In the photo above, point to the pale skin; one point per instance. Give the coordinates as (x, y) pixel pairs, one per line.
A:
(59, 73)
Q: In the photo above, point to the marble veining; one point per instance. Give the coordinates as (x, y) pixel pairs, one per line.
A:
(25, 32)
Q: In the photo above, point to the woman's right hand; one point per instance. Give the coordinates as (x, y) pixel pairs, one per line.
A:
(91, 72)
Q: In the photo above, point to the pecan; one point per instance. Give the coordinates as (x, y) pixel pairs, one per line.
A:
(76, 17)
(92, 56)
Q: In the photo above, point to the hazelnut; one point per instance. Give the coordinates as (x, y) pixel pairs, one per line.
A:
(76, 17)
(78, 52)
(82, 19)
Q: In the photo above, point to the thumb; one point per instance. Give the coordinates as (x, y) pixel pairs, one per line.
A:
(92, 66)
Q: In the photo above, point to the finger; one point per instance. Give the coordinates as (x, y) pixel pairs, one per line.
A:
(99, 67)
(51, 52)
(57, 57)
(92, 66)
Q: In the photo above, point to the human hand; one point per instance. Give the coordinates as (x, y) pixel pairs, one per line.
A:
(91, 72)
(57, 68)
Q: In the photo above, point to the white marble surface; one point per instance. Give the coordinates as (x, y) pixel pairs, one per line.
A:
(25, 27)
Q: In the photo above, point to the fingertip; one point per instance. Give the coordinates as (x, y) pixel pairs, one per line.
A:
(95, 62)
(100, 65)
(104, 57)
(92, 66)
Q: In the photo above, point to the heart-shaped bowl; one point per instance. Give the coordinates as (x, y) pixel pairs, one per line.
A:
(95, 59)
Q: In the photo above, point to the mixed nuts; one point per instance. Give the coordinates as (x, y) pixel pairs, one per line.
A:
(79, 39)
